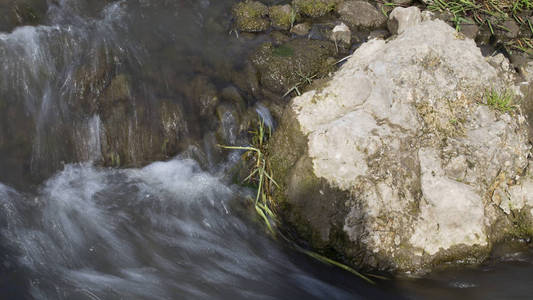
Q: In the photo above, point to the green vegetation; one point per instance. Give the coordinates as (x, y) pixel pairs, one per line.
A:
(261, 177)
(251, 16)
(492, 13)
(501, 101)
(314, 8)
(282, 16)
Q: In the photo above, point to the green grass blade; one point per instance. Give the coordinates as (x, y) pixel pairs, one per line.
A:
(337, 264)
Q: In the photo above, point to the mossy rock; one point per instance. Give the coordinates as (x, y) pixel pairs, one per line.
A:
(309, 207)
(118, 90)
(282, 67)
(21, 12)
(314, 8)
(251, 16)
(282, 16)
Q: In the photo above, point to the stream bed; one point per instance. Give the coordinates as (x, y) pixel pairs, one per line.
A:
(172, 229)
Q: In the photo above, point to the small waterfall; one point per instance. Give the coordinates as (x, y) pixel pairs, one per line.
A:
(266, 117)
(125, 83)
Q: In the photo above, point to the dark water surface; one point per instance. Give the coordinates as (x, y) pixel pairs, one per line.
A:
(171, 230)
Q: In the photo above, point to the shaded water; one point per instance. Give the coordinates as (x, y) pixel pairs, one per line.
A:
(170, 230)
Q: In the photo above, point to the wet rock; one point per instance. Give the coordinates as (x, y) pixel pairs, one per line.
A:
(301, 29)
(232, 95)
(314, 8)
(118, 90)
(228, 129)
(203, 94)
(279, 37)
(392, 164)
(360, 14)
(174, 127)
(21, 12)
(247, 79)
(251, 16)
(402, 18)
(280, 68)
(282, 16)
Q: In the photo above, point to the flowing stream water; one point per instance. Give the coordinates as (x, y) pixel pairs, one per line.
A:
(174, 229)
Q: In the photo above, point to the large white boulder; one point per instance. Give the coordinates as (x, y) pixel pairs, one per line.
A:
(395, 162)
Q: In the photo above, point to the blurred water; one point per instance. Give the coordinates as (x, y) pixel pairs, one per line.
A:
(53, 76)
(166, 231)
(170, 230)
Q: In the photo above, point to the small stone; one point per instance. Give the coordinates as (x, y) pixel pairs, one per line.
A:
(301, 29)
(500, 62)
(513, 29)
(402, 18)
(341, 34)
(361, 14)
(251, 16)
(470, 30)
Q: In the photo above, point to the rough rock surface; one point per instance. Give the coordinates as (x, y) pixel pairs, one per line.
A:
(314, 8)
(282, 67)
(281, 16)
(360, 14)
(21, 12)
(251, 16)
(402, 18)
(397, 163)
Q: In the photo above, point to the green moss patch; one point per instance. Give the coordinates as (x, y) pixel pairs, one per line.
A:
(314, 8)
(251, 16)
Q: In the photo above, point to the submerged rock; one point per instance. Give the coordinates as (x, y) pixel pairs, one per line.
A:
(282, 16)
(393, 163)
(251, 16)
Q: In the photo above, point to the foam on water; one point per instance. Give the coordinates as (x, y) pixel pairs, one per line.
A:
(159, 232)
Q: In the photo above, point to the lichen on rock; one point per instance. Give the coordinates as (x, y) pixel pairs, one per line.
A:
(282, 16)
(281, 67)
(314, 8)
(251, 16)
(394, 162)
